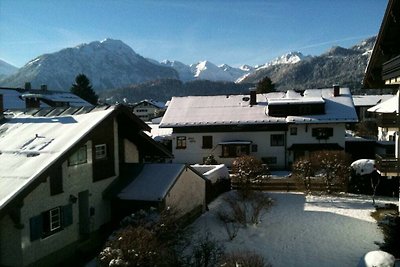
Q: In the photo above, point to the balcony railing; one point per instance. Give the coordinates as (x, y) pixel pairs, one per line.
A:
(388, 120)
(388, 165)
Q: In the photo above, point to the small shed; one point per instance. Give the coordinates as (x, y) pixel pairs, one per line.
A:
(177, 186)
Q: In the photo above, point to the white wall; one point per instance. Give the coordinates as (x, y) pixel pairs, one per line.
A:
(194, 153)
(131, 152)
(387, 134)
(188, 192)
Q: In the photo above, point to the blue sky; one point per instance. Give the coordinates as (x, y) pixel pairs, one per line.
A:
(221, 31)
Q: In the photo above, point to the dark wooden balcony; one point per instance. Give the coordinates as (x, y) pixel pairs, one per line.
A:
(388, 120)
(388, 165)
(391, 68)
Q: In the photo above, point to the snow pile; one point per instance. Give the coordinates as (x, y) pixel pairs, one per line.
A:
(303, 230)
(377, 258)
(363, 166)
(212, 172)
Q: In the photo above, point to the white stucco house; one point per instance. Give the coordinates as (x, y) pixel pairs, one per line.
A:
(148, 109)
(55, 166)
(275, 127)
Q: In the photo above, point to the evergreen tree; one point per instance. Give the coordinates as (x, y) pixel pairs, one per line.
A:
(83, 89)
(265, 85)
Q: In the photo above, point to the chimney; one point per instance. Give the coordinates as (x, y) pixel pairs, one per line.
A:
(43, 87)
(1, 107)
(253, 96)
(28, 86)
(336, 90)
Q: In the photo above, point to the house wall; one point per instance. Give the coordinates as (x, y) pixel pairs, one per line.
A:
(304, 136)
(75, 179)
(194, 153)
(10, 243)
(387, 134)
(145, 111)
(131, 152)
(188, 192)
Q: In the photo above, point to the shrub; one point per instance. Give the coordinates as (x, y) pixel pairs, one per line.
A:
(147, 238)
(244, 259)
(303, 170)
(248, 170)
(241, 211)
(206, 252)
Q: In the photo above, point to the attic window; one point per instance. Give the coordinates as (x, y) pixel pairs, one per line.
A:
(101, 151)
(79, 157)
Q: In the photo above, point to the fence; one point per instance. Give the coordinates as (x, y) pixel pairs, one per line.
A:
(289, 185)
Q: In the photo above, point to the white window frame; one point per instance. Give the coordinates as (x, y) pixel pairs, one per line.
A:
(100, 151)
(55, 219)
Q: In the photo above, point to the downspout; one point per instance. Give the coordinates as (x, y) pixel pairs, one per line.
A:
(286, 156)
(398, 143)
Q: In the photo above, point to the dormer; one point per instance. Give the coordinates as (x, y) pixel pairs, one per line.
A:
(295, 104)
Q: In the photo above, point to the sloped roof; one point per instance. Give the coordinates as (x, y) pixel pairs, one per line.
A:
(14, 98)
(389, 106)
(30, 144)
(236, 109)
(369, 100)
(387, 46)
(155, 103)
(152, 183)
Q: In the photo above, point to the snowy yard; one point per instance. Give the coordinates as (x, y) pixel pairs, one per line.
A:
(301, 230)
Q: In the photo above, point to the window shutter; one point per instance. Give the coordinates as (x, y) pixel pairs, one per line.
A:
(56, 182)
(36, 227)
(67, 219)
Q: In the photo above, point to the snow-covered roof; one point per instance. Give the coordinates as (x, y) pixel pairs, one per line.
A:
(236, 109)
(389, 106)
(155, 103)
(30, 144)
(15, 98)
(153, 182)
(369, 100)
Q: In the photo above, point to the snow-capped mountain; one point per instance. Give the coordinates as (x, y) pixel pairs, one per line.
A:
(206, 70)
(184, 71)
(108, 64)
(6, 69)
(289, 58)
(339, 65)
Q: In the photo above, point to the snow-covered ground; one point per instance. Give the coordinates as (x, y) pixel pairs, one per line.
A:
(301, 230)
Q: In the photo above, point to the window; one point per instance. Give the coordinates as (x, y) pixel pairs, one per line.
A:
(277, 139)
(322, 133)
(79, 157)
(55, 219)
(233, 151)
(293, 130)
(56, 181)
(50, 222)
(180, 142)
(100, 151)
(207, 141)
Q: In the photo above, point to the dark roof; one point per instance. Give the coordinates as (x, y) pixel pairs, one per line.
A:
(387, 46)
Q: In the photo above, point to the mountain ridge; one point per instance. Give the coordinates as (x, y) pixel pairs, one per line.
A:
(111, 64)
